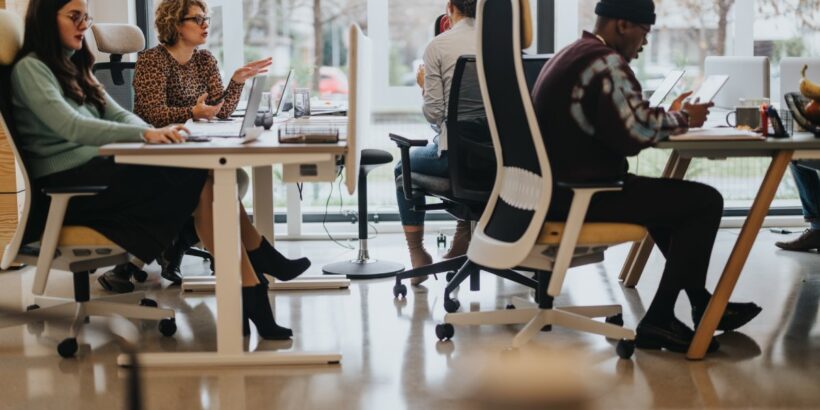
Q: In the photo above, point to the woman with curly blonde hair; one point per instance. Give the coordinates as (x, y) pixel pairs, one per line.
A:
(176, 80)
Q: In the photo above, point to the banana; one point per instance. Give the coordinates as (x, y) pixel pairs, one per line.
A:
(808, 88)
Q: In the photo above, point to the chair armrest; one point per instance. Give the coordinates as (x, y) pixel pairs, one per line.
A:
(60, 196)
(404, 147)
(403, 142)
(76, 190)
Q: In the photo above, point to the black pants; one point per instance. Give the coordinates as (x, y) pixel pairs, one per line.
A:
(682, 217)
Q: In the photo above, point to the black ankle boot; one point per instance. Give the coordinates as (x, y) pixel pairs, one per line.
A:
(256, 308)
(171, 262)
(265, 259)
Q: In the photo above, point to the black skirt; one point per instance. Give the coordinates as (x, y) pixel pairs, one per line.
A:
(143, 209)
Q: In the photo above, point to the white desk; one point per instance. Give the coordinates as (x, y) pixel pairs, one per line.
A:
(263, 221)
(224, 157)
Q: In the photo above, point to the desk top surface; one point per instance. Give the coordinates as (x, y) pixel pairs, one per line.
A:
(267, 143)
(799, 141)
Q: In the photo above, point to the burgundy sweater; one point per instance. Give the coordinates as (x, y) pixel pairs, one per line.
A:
(592, 114)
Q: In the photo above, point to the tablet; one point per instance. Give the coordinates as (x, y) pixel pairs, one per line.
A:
(665, 87)
(709, 89)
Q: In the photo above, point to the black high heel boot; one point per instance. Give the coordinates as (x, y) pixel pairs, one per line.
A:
(256, 308)
(265, 259)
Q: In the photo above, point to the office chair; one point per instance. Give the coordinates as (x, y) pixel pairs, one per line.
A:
(117, 76)
(464, 193)
(41, 239)
(363, 267)
(512, 232)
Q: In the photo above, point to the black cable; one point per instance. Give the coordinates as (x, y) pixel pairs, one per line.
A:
(324, 217)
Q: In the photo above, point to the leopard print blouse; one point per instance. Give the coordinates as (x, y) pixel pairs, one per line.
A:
(165, 91)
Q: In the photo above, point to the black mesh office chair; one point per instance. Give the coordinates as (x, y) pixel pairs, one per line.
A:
(464, 194)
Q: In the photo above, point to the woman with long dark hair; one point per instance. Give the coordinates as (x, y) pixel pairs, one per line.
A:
(63, 116)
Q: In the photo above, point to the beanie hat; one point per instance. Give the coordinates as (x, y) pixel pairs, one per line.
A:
(636, 11)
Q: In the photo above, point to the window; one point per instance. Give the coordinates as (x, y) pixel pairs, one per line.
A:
(411, 28)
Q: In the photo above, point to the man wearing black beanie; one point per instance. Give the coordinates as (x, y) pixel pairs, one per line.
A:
(592, 116)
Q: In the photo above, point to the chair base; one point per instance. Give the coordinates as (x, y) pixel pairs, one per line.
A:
(366, 269)
(573, 317)
(74, 315)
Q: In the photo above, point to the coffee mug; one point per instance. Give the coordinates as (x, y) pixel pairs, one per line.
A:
(744, 116)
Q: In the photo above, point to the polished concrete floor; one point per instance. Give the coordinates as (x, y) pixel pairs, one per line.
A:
(392, 359)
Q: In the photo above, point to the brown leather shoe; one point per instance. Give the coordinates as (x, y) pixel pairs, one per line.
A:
(809, 240)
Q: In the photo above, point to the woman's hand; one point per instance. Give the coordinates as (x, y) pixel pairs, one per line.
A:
(420, 76)
(203, 111)
(171, 134)
(252, 69)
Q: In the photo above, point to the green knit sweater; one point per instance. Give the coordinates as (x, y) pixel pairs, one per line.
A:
(56, 133)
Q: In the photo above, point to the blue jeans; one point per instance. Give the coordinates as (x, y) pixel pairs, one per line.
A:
(423, 160)
(808, 186)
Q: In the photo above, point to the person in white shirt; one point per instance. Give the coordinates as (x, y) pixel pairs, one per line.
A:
(435, 78)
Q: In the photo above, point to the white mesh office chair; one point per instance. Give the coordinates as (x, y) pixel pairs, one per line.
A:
(77, 249)
(512, 232)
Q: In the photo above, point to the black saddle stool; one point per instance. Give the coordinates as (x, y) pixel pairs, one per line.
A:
(363, 267)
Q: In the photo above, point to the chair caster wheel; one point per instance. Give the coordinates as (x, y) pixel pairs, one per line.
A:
(168, 327)
(617, 320)
(450, 275)
(510, 306)
(140, 275)
(451, 305)
(148, 302)
(68, 347)
(445, 331)
(29, 308)
(625, 348)
(399, 290)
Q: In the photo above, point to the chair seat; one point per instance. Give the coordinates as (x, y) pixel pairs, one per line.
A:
(375, 157)
(593, 233)
(82, 236)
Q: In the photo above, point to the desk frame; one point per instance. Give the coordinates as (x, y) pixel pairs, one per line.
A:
(782, 154)
(224, 161)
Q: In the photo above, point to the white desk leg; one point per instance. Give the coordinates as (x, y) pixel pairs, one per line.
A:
(263, 201)
(227, 246)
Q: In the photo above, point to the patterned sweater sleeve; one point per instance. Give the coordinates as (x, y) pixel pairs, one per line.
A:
(609, 94)
(215, 89)
(150, 92)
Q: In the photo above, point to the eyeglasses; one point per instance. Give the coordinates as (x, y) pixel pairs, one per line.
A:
(78, 19)
(645, 27)
(199, 20)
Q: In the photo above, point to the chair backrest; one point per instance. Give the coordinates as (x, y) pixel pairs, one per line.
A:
(533, 63)
(470, 155)
(11, 39)
(748, 78)
(515, 213)
(360, 67)
(790, 68)
(116, 76)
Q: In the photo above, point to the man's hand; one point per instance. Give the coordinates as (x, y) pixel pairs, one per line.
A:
(678, 103)
(203, 111)
(697, 112)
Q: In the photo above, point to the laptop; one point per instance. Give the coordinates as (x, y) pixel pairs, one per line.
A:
(283, 104)
(709, 89)
(246, 131)
(665, 87)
